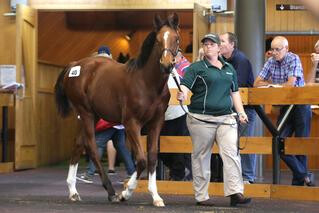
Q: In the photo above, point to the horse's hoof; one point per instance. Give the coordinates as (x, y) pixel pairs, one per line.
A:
(158, 203)
(75, 197)
(122, 196)
(114, 198)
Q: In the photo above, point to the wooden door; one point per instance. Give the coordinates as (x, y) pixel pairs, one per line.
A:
(25, 104)
(201, 27)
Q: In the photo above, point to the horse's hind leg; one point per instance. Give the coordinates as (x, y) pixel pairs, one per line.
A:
(112, 196)
(133, 136)
(90, 145)
(73, 167)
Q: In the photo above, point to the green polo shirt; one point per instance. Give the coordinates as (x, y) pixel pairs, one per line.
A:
(211, 87)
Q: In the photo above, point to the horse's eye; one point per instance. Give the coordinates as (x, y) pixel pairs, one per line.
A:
(177, 41)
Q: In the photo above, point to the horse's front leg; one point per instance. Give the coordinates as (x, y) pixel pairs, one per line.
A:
(152, 151)
(73, 167)
(133, 130)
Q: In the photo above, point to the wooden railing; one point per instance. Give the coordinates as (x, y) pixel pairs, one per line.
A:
(257, 145)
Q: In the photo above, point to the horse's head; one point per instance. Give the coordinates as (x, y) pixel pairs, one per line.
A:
(168, 40)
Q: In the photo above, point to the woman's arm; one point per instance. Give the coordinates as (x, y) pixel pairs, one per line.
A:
(238, 104)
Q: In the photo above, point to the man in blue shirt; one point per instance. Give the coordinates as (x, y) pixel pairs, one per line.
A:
(245, 77)
(284, 68)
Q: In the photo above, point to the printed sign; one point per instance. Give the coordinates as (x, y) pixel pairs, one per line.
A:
(75, 71)
(290, 7)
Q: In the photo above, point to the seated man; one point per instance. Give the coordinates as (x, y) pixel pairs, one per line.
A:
(285, 68)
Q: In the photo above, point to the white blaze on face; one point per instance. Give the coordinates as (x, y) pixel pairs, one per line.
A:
(166, 34)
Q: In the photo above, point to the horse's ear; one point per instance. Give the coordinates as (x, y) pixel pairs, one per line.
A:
(173, 20)
(158, 23)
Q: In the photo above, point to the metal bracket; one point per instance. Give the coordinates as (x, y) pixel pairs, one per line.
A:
(281, 144)
(207, 12)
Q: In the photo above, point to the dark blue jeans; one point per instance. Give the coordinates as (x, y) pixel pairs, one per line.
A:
(248, 161)
(118, 138)
(299, 123)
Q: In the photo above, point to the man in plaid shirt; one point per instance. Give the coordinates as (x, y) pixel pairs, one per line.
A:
(284, 68)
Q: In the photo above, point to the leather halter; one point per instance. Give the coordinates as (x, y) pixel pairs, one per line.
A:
(173, 54)
(171, 51)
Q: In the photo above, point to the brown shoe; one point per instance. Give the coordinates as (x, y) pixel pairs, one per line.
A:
(204, 203)
(238, 198)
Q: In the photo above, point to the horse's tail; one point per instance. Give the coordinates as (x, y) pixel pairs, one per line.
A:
(61, 99)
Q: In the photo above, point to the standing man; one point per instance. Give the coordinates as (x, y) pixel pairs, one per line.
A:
(285, 68)
(230, 53)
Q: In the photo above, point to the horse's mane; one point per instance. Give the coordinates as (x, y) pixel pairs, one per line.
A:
(145, 53)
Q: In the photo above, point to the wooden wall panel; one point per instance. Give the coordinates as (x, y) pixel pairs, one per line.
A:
(7, 35)
(224, 23)
(289, 21)
(56, 141)
(25, 107)
(69, 44)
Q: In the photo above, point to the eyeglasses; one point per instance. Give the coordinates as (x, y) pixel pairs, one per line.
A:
(276, 49)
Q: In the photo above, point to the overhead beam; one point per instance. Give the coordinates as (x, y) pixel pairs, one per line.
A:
(114, 4)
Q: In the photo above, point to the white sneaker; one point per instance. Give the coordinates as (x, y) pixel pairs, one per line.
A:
(85, 178)
(246, 182)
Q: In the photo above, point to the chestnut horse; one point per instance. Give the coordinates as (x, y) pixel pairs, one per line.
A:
(134, 94)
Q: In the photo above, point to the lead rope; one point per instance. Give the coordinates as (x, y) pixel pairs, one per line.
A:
(212, 122)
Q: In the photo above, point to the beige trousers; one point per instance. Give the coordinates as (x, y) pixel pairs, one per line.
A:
(203, 136)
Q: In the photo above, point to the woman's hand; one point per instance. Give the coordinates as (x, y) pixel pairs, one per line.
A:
(243, 117)
(180, 96)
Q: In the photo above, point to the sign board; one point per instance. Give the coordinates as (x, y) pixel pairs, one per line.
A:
(7, 74)
(219, 5)
(290, 7)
